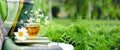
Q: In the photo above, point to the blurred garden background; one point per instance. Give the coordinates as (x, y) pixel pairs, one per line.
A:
(86, 24)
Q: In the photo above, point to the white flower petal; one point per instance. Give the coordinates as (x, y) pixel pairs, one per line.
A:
(31, 11)
(26, 12)
(21, 21)
(25, 34)
(38, 20)
(39, 9)
(36, 12)
(15, 33)
(46, 22)
(22, 38)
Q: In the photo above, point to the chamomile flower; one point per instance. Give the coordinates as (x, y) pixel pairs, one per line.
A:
(26, 12)
(46, 22)
(39, 9)
(38, 20)
(36, 16)
(31, 11)
(21, 21)
(46, 18)
(30, 20)
(36, 12)
(42, 15)
(39, 15)
(21, 34)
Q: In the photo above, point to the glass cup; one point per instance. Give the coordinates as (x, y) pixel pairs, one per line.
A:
(33, 29)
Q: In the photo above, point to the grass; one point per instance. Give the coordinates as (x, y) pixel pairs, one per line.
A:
(62, 21)
(85, 35)
(68, 21)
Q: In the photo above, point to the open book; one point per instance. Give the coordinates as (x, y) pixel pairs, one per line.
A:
(42, 41)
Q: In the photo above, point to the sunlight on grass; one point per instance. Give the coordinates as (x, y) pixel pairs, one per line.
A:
(85, 34)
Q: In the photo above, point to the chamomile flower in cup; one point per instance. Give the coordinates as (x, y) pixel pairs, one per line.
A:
(33, 29)
(34, 22)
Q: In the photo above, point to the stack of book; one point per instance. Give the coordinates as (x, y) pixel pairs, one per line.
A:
(42, 41)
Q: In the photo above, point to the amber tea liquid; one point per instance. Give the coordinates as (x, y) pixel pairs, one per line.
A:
(32, 30)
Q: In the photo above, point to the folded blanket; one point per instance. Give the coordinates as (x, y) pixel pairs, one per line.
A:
(1, 39)
(3, 28)
(3, 33)
(1, 36)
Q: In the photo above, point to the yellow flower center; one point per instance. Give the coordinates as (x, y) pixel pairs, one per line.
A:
(20, 34)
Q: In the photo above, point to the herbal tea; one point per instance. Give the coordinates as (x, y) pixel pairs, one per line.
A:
(32, 30)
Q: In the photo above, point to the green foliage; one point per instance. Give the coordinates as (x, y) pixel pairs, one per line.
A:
(77, 8)
(42, 4)
(85, 8)
(86, 35)
(3, 9)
